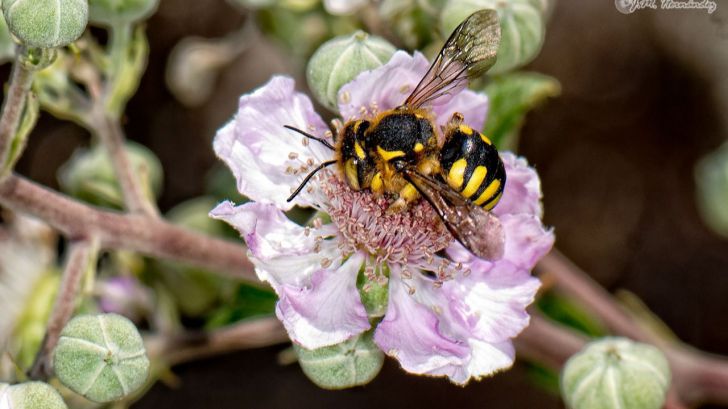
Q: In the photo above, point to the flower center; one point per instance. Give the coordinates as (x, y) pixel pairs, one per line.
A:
(410, 237)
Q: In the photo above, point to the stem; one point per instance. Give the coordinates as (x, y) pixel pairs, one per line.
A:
(20, 83)
(576, 283)
(698, 377)
(248, 334)
(81, 255)
(147, 235)
(112, 136)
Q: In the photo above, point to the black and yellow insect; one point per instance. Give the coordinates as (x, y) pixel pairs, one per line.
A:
(400, 151)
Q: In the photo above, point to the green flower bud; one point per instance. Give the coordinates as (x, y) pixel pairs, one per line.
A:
(7, 45)
(711, 178)
(340, 60)
(46, 23)
(89, 175)
(112, 12)
(522, 28)
(101, 357)
(30, 395)
(616, 373)
(352, 363)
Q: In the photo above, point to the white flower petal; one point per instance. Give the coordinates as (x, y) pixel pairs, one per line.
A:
(259, 150)
(343, 7)
(522, 192)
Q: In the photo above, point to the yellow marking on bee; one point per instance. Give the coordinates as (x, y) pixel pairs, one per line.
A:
(419, 147)
(457, 173)
(359, 151)
(485, 139)
(418, 115)
(409, 193)
(488, 192)
(475, 180)
(388, 155)
(351, 174)
(495, 201)
(377, 184)
(356, 127)
(465, 129)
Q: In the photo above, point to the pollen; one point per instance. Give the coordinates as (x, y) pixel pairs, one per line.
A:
(407, 238)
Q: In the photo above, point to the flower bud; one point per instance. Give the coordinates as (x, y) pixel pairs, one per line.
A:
(112, 12)
(711, 178)
(30, 395)
(46, 23)
(89, 175)
(351, 363)
(340, 60)
(522, 28)
(7, 45)
(616, 373)
(101, 357)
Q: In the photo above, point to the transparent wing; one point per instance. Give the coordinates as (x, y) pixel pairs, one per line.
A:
(468, 53)
(471, 225)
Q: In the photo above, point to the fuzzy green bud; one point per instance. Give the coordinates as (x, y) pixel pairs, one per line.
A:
(101, 357)
(340, 60)
(351, 363)
(46, 23)
(112, 12)
(523, 26)
(30, 395)
(614, 373)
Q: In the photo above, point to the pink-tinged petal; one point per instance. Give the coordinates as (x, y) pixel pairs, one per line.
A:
(388, 86)
(495, 308)
(326, 311)
(282, 251)
(410, 333)
(472, 105)
(526, 240)
(318, 303)
(383, 88)
(522, 193)
(259, 150)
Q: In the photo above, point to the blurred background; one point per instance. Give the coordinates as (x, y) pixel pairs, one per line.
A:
(644, 97)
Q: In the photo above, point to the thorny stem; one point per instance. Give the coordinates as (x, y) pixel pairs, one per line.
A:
(82, 255)
(20, 83)
(151, 236)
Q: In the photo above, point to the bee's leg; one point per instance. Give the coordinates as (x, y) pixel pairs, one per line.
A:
(407, 195)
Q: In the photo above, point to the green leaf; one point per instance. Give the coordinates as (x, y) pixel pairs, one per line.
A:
(522, 28)
(249, 301)
(565, 311)
(511, 97)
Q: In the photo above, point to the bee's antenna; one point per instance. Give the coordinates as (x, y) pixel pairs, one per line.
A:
(308, 135)
(308, 177)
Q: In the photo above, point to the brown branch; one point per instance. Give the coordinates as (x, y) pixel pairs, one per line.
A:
(698, 377)
(112, 136)
(20, 82)
(189, 346)
(81, 255)
(151, 236)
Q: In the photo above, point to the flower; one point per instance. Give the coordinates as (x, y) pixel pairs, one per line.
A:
(448, 315)
(343, 7)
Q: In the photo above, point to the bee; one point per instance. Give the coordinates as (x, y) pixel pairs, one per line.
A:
(399, 152)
